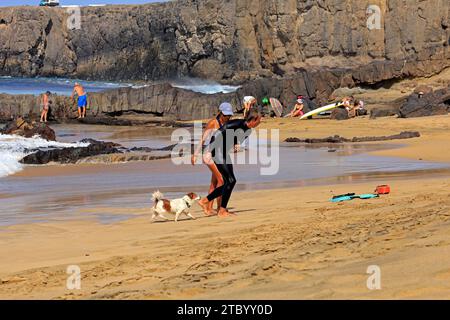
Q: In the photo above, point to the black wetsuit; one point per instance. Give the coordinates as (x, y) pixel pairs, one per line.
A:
(223, 141)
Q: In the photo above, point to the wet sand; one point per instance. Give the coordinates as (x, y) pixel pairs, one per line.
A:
(285, 243)
(433, 145)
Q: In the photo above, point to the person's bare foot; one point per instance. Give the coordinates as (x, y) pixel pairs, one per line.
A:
(224, 213)
(204, 204)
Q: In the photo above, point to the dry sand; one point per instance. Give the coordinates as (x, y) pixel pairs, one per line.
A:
(284, 244)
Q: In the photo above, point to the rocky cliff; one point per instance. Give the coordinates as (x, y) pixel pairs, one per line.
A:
(163, 100)
(231, 40)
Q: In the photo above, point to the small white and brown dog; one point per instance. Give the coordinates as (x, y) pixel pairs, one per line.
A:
(177, 206)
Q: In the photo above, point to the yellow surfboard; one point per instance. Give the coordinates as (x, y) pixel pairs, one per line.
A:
(321, 109)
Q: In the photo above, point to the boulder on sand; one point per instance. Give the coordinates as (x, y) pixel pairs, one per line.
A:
(430, 104)
(28, 130)
(72, 155)
(383, 112)
(339, 114)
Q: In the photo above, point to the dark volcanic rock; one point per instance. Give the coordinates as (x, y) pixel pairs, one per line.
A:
(233, 39)
(147, 149)
(400, 136)
(339, 139)
(385, 112)
(252, 43)
(25, 129)
(72, 155)
(339, 114)
(433, 103)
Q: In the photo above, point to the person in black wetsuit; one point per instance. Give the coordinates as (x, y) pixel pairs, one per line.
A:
(225, 139)
(226, 111)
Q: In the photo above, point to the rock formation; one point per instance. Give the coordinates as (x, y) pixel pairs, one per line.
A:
(25, 129)
(72, 155)
(101, 152)
(430, 104)
(339, 139)
(339, 114)
(226, 40)
(277, 48)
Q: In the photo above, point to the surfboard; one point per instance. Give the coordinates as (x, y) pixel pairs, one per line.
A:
(277, 107)
(321, 109)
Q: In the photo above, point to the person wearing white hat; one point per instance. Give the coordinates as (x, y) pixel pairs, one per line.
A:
(225, 114)
(249, 102)
(298, 108)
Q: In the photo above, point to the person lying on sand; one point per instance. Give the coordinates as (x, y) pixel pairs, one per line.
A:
(221, 148)
(225, 114)
(82, 99)
(45, 106)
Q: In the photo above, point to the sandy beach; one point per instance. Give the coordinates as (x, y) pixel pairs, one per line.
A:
(289, 243)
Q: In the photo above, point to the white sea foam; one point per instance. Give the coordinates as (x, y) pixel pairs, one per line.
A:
(203, 86)
(13, 148)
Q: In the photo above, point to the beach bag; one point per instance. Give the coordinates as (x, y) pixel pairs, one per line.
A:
(383, 189)
(361, 112)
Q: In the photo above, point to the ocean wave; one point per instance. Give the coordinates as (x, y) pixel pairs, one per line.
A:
(13, 148)
(61, 86)
(203, 86)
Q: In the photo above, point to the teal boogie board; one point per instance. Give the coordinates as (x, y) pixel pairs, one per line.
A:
(351, 196)
(321, 109)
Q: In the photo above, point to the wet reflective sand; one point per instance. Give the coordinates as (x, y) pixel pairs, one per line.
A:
(107, 192)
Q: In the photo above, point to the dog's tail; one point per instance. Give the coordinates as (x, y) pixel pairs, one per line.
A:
(157, 196)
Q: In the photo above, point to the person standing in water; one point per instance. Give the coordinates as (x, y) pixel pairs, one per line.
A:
(238, 130)
(45, 106)
(225, 113)
(82, 99)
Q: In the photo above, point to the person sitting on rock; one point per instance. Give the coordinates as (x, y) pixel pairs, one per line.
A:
(45, 106)
(298, 108)
(357, 109)
(82, 99)
(347, 102)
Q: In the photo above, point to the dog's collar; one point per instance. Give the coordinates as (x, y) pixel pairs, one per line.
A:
(187, 203)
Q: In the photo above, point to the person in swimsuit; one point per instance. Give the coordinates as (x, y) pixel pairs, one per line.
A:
(45, 106)
(82, 99)
(226, 112)
(298, 109)
(249, 102)
(238, 130)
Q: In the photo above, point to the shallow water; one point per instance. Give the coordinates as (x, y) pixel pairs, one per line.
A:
(110, 192)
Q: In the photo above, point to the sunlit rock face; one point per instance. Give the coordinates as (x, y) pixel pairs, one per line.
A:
(233, 40)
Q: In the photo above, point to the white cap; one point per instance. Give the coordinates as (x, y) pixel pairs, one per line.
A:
(248, 99)
(226, 109)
